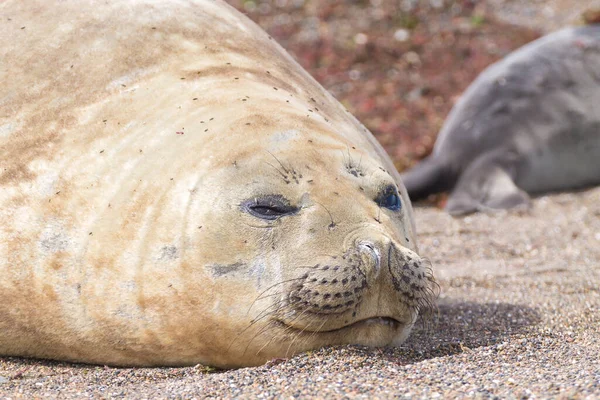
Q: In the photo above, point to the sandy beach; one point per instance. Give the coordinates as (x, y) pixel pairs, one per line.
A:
(518, 315)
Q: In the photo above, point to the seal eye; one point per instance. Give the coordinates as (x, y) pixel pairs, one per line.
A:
(389, 198)
(269, 207)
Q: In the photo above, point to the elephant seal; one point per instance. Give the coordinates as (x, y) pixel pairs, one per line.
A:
(175, 189)
(528, 124)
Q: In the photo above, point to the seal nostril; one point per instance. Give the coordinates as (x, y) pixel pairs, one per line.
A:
(371, 259)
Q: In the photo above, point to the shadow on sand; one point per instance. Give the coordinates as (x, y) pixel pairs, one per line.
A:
(460, 326)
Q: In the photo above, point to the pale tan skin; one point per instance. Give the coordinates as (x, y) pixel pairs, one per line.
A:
(133, 138)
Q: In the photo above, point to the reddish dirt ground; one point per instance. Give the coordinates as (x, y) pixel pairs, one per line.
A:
(398, 66)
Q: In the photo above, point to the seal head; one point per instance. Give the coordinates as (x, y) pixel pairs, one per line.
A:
(331, 260)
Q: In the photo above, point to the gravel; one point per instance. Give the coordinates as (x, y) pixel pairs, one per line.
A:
(546, 15)
(519, 317)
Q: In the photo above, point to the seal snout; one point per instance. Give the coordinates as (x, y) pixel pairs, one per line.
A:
(343, 284)
(406, 273)
(376, 284)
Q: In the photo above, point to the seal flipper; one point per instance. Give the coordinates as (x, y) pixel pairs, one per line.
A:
(486, 185)
(428, 177)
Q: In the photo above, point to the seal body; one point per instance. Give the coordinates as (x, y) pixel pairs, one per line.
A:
(175, 189)
(528, 124)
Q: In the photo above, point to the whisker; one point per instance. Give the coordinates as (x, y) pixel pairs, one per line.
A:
(333, 224)
(250, 325)
(280, 163)
(271, 287)
(266, 344)
(287, 329)
(298, 334)
(278, 335)
(260, 332)
(268, 326)
(268, 311)
(264, 313)
(314, 333)
(276, 169)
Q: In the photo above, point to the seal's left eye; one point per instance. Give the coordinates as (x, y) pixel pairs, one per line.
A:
(389, 198)
(269, 207)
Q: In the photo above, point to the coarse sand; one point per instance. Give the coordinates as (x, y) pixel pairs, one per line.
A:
(519, 317)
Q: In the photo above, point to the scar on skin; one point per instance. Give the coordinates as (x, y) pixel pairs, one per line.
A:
(219, 270)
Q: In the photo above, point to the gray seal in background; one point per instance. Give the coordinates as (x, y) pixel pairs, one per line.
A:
(528, 124)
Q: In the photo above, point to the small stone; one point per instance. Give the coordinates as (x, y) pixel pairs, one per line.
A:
(354, 74)
(412, 57)
(402, 35)
(361, 38)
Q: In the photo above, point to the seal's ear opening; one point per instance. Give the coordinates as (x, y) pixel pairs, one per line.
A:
(428, 177)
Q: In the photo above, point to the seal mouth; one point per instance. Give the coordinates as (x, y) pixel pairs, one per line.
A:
(372, 322)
